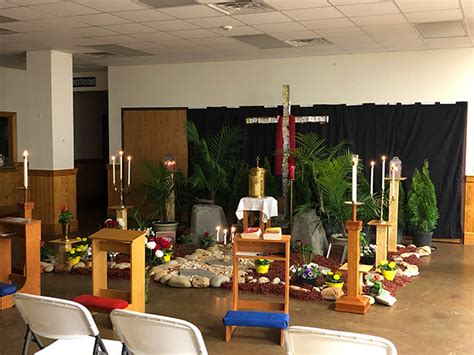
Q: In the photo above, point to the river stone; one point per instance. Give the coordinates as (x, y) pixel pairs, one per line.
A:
(205, 218)
(181, 260)
(121, 266)
(49, 267)
(202, 252)
(332, 293)
(201, 282)
(165, 278)
(386, 298)
(263, 280)
(424, 251)
(241, 280)
(179, 281)
(192, 257)
(218, 262)
(159, 274)
(217, 280)
(79, 265)
(308, 228)
(197, 272)
(276, 281)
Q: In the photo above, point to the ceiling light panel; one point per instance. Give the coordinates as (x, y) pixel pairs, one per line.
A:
(143, 15)
(435, 16)
(444, 29)
(262, 41)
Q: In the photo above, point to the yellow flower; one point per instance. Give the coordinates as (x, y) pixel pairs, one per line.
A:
(384, 262)
(78, 238)
(392, 265)
(330, 273)
(337, 277)
(71, 251)
(84, 239)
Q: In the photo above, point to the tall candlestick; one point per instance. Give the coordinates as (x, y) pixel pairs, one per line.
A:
(121, 166)
(225, 236)
(113, 170)
(218, 228)
(232, 233)
(129, 158)
(372, 164)
(25, 169)
(393, 180)
(383, 172)
(355, 160)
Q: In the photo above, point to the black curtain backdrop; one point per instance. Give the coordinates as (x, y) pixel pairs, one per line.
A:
(411, 132)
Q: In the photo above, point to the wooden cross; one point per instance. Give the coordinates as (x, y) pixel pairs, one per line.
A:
(286, 137)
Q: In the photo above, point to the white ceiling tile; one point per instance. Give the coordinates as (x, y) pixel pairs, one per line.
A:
(403, 44)
(64, 9)
(262, 18)
(379, 20)
(468, 12)
(217, 21)
(6, 5)
(284, 36)
(192, 11)
(100, 19)
(92, 31)
(112, 5)
(23, 13)
(130, 28)
(23, 26)
(144, 15)
(176, 43)
(216, 41)
(189, 34)
(173, 25)
(341, 32)
(237, 31)
(48, 35)
(32, 2)
(350, 40)
(434, 16)
(281, 27)
(353, 2)
(59, 23)
(382, 8)
(469, 23)
(296, 4)
(331, 23)
(117, 39)
(349, 46)
(453, 42)
(392, 36)
(394, 28)
(155, 36)
(467, 3)
(426, 5)
(314, 14)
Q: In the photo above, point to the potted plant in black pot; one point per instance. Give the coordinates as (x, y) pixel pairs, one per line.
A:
(422, 210)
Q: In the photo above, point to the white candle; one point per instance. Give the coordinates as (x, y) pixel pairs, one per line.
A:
(225, 236)
(129, 168)
(25, 169)
(383, 172)
(393, 180)
(372, 164)
(232, 233)
(355, 159)
(121, 167)
(113, 170)
(218, 228)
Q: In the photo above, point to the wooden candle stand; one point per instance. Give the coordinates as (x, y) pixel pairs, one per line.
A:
(121, 212)
(393, 213)
(26, 208)
(353, 302)
(29, 232)
(382, 228)
(60, 248)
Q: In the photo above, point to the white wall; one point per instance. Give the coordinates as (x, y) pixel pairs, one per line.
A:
(446, 76)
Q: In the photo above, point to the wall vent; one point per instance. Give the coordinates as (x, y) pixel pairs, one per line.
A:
(240, 7)
(309, 42)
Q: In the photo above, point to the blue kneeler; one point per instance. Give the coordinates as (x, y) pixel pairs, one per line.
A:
(257, 319)
(7, 289)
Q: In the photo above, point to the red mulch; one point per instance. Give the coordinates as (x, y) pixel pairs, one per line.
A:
(111, 273)
(181, 250)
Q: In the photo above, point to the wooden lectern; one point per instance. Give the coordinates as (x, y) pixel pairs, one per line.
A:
(123, 241)
(27, 231)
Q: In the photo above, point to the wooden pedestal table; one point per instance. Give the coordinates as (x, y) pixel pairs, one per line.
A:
(60, 248)
(393, 213)
(266, 207)
(121, 212)
(382, 228)
(27, 231)
(363, 269)
(122, 241)
(276, 250)
(353, 302)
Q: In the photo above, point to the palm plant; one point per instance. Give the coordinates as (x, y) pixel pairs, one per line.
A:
(214, 158)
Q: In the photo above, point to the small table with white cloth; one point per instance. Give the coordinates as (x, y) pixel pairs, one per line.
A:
(266, 206)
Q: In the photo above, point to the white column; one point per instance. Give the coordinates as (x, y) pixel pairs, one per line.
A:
(50, 125)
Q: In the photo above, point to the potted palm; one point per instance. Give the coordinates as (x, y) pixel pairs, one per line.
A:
(422, 207)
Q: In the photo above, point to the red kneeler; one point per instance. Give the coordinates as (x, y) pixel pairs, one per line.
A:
(100, 304)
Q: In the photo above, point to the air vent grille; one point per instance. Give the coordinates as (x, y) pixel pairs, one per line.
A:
(242, 7)
(309, 42)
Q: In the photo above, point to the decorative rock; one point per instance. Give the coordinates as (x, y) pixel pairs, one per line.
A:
(249, 278)
(411, 272)
(201, 282)
(159, 274)
(252, 281)
(411, 246)
(297, 288)
(79, 265)
(179, 281)
(317, 289)
(205, 218)
(179, 260)
(400, 246)
(397, 259)
(424, 251)
(171, 263)
(197, 272)
(386, 298)
(165, 278)
(203, 252)
(276, 281)
(111, 264)
(241, 280)
(406, 255)
(308, 228)
(263, 280)
(371, 299)
(48, 268)
(121, 266)
(217, 281)
(282, 282)
(213, 249)
(191, 257)
(332, 293)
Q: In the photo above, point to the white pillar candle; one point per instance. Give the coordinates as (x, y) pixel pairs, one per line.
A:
(129, 158)
(232, 234)
(383, 172)
(225, 236)
(218, 228)
(113, 170)
(372, 164)
(355, 159)
(25, 169)
(121, 167)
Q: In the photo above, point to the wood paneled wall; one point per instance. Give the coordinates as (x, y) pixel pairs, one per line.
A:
(9, 193)
(469, 211)
(49, 191)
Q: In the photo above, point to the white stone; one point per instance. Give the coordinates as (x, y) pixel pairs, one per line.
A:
(386, 299)
(332, 293)
(203, 252)
(48, 268)
(276, 281)
(371, 299)
(122, 266)
(180, 260)
(253, 281)
(111, 264)
(297, 288)
(424, 251)
(79, 265)
(164, 279)
(241, 280)
(191, 257)
(218, 280)
(201, 282)
(263, 280)
(411, 272)
(179, 281)
(159, 274)
(406, 255)
(399, 246)
(249, 278)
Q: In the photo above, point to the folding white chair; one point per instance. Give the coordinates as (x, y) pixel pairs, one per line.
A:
(308, 340)
(70, 323)
(143, 333)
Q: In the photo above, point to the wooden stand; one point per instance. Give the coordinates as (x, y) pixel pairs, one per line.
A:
(362, 270)
(60, 248)
(353, 302)
(122, 213)
(277, 250)
(127, 242)
(249, 216)
(382, 228)
(393, 213)
(26, 208)
(29, 232)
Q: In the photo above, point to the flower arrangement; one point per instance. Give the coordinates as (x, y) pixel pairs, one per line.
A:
(262, 265)
(207, 240)
(334, 278)
(308, 271)
(375, 284)
(158, 250)
(368, 250)
(65, 217)
(83, 245)
(387, 266)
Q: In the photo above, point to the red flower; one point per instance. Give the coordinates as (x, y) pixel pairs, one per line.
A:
(64, 208)
(205, 234)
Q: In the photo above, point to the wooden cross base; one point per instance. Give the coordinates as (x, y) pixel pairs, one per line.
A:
(353, 304)
(26, 209)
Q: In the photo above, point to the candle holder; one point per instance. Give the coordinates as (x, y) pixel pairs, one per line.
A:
(382, 198)
(26, 206)
(123, 190)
